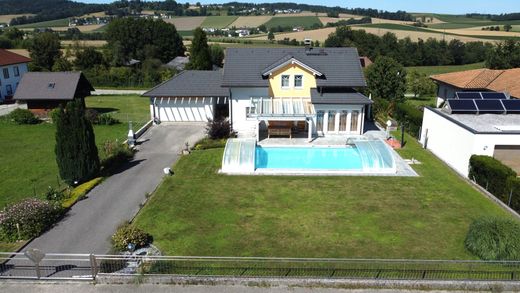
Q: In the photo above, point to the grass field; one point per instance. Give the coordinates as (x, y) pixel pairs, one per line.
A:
(28, 161)
(293, 21)
(461, 21)
(395, 26)
(51, 23)
(6, 18)
(218, 21)
(431, 70)
(250, 21)
(199, 212)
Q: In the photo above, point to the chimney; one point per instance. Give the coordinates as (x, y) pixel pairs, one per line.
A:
(308, 44)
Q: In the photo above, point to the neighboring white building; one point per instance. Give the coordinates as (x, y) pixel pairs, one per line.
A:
(12, 68)
(454, 136)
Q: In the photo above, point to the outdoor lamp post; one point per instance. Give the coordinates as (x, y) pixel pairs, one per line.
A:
(131, 135)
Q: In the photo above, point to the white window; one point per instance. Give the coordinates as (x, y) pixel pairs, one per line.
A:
(285, 81)
(298, 81)
(16, 71)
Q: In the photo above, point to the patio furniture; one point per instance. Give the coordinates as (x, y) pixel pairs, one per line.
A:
(279, 128)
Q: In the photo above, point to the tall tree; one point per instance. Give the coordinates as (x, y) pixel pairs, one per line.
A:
(505, 55)
(45, 50)
(136, 38)
(217, 55)
(386, 80)
(419, 84)
(88, 58)
(76, 151)
(200, 56)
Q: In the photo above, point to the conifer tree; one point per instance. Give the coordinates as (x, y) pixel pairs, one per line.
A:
(76, 151)
(200, 56)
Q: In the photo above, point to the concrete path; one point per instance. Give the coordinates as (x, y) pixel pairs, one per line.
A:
(30, 287)
(90, 223)
(99, 92)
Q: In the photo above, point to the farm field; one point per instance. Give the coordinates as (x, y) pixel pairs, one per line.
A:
(187, 23)
(250, 21)
(200, 212)
(32, 169)
(432, 70)
(316, 35)
(293, 21)
(86, 43)
(64, 22)
(218, 21)
(6, 18)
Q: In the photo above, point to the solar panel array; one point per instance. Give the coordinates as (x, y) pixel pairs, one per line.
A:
(483, 103)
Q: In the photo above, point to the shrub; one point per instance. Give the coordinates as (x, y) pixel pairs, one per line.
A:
(106, 119)
(494, 239)
(54, 194)
(411, 116)
(127, 234)
(115, 154)
(490, 173)
(92, 116)
(33, 217)
(80, 192)
(219, 128)
(23, 116)
(208, 143)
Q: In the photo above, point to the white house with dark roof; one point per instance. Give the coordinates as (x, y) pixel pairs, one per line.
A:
(12, 68)
(279, 90)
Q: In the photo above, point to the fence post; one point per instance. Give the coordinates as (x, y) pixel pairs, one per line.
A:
(93, 266)
(510, 197)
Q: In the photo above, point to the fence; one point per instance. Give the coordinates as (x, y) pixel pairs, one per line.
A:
(89, 266)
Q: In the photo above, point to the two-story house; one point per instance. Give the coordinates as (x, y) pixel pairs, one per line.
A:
(12, 68)
(283, 89)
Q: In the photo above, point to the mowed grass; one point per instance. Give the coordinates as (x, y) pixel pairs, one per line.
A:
(199, 212)
(28, 160)
(461, 21)
(218, 21)
(125, 108)
(432, 70)
(293, 21)
(51, 23)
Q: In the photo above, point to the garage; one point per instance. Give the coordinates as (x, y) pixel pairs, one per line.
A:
(190, 96)
(509, 155)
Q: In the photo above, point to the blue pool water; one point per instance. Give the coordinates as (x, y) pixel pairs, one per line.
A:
(313, 158)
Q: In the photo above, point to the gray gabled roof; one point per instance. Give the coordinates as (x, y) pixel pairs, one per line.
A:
(338, 96)
(52, 86)
(340, 66)
(191, 83)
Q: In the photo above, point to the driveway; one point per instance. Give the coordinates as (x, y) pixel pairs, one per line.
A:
(90, 223)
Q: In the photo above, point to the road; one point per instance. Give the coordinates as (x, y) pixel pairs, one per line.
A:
(90, 223)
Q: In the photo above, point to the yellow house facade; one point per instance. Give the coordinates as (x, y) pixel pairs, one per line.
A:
(291, 81)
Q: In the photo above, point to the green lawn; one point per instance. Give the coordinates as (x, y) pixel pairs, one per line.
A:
(28, 161)
(199, 212)
(50, 23)
(293, 21)
(218, 21)
(432, 70)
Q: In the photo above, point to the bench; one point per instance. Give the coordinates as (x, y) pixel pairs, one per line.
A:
(279, 128)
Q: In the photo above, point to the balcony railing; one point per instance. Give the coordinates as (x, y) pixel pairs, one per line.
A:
(261, 107)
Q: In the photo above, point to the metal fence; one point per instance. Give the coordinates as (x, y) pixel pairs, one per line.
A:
(88, 266)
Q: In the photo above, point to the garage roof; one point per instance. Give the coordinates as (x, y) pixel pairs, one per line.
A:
(191, 83)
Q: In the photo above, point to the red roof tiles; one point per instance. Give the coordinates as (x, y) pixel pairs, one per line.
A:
(8, 58)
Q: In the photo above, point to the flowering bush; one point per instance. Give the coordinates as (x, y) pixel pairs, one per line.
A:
(127, 234)
(32, 216)
(115, 154)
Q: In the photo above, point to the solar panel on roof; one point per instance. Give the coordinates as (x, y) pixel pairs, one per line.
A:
(494, 96)
(489, 106)
(512, 106)
(468, 95)
(462, 106)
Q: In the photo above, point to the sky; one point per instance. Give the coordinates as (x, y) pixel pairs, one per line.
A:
(436, 6)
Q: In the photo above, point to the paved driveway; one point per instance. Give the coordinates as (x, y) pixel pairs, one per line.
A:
(90, 223)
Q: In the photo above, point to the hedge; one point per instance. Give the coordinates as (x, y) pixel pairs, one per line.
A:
(411, 116)
(79, 192)
(491, 174)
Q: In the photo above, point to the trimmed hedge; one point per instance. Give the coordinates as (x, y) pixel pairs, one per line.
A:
(80, 192)
(411, 116)
(491, 174)
(492, 238)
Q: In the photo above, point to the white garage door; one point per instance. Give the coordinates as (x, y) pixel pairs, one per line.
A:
(185, 109)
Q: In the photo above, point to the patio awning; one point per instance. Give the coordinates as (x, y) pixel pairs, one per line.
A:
(280, 108)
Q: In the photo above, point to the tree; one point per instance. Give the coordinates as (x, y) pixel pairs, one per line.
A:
(508, 27)
(419, 84)
(62, 64)
(262, 28)
(137, 38)
(270, 36)
(87, 58)
(45, 50)
(505, 55)
(217, 55)
(76, 151)
(386, 80)
(200, 56)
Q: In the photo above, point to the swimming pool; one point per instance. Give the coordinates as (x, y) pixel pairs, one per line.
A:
(308, 158)
(360, 156)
